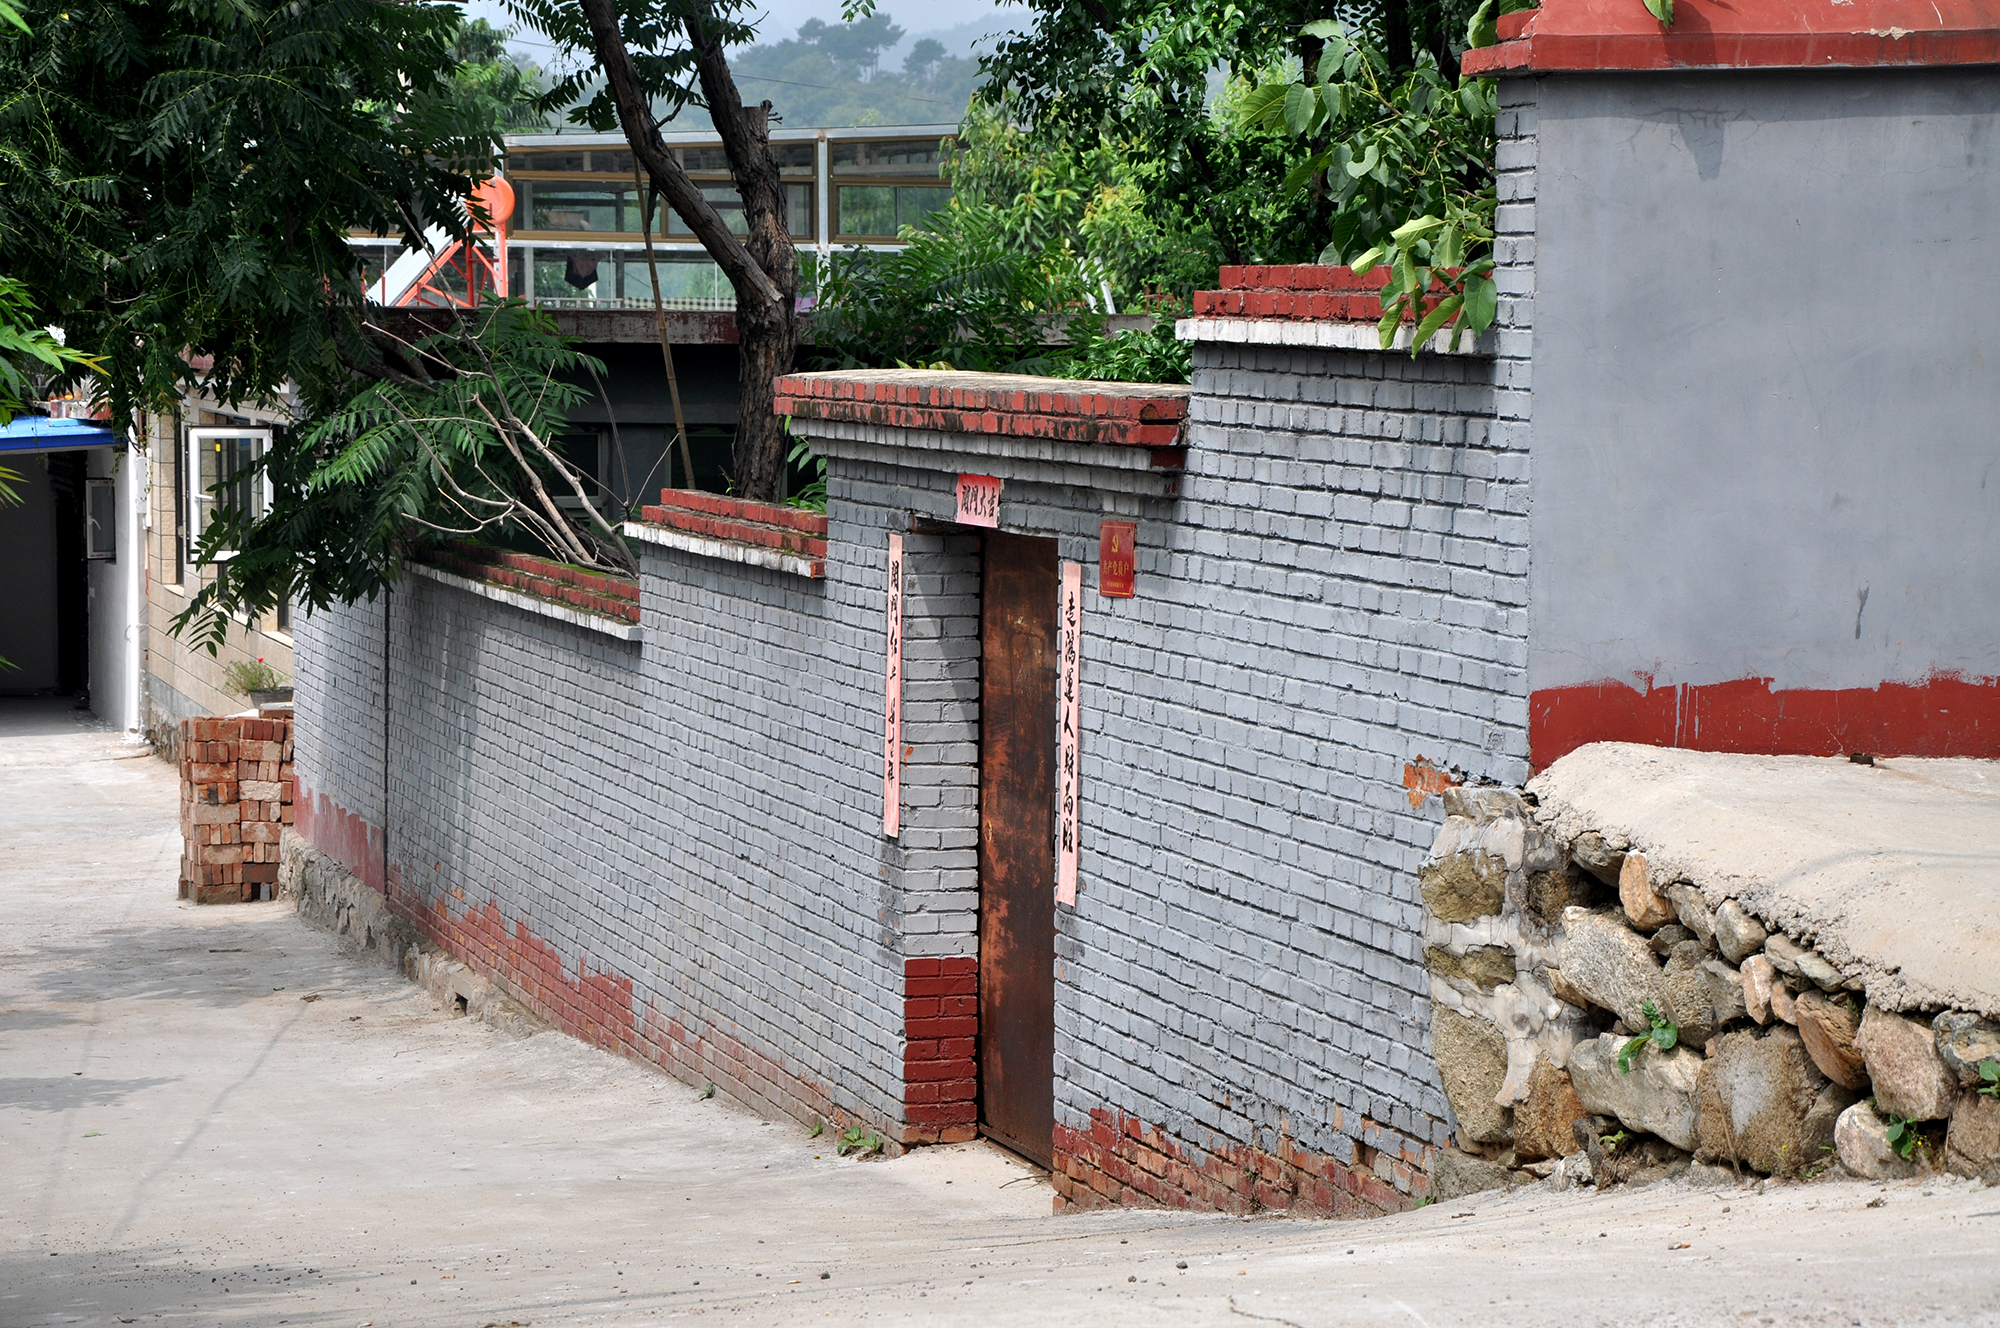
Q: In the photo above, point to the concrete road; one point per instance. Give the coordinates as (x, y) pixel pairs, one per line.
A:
(211, 1117)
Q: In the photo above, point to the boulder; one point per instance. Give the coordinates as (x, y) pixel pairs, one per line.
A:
(1687, 1004)
(1543, 1118)
(1548, 894)
(1693, 911)
(1760, 979)
(1909, 1078)
(1972, 1145)
(1610, 964)
(1725, 991)
(1827, 1027)
(1783, 1005)
(1472, 1062)
(1796, 961)
(1737, 934)
(1463, 887)
(1816, 1133)
(1560, 986)
(1600, 858)
(1963, 1041)
(1658, 1096)
(1757, 1092)
(1643, 905)
(1862, 1139)
(1819, 972)
(1783, 953)
(1455, 1175)
(1484, 966)
(1484, 802)
(1666, 938)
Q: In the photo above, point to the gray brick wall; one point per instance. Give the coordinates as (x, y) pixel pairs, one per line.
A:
(685, 812)
(1340, 590)
(337, 706)
(1335, 588)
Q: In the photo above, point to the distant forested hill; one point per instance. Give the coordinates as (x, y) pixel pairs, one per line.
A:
(834, 75)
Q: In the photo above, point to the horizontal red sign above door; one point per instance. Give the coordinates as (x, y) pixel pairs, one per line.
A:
(979, 501)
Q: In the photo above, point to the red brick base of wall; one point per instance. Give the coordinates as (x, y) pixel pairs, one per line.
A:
(941, 1036)
(1120, 1161)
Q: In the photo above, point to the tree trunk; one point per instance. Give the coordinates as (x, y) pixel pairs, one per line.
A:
(763, 268)
(767, 330)
(1397, 46)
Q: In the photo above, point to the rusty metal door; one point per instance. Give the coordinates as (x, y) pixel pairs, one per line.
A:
(1017, 785)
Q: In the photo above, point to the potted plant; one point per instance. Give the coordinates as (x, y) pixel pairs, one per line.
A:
(260, 682)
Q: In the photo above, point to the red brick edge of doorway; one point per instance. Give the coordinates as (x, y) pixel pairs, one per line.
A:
(940, 1032)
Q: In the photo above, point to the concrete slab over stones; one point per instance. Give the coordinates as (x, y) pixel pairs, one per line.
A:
(1892, 871)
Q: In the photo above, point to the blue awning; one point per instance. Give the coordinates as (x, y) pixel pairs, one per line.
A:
(39, 433)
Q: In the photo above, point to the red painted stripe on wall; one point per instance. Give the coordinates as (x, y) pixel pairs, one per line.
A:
(1945, 715)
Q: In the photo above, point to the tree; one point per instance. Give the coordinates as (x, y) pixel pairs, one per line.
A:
(1142, 72)
(674, 53)
(178, 179)
(485, 72)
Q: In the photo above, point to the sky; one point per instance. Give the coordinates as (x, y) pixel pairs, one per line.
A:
(781, 18)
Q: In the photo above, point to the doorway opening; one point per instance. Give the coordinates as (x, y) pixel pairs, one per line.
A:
(1017, 793)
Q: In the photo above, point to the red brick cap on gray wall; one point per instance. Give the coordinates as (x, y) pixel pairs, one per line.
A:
(713, 516)
(608, 596)
(1301, 292)
(948, 401)
(1582, 35)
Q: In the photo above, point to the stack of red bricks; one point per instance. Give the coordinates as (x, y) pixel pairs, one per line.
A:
(941, 1025)
(236, 800)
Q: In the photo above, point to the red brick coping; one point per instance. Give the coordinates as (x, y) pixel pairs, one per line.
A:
(1742, 34)
(592, 592)
(1018, 405)
(773, 529)
(1302, 292)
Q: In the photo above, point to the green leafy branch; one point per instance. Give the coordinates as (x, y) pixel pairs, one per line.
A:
(1989, 1075)
(1662, 1034)
(1904, 1135)
(858, 1141)
(28, 352)
(1406, 161)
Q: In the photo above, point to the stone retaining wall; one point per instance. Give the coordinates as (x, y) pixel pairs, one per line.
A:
(1550, 955)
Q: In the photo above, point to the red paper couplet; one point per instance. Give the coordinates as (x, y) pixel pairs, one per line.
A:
(979, 501)
(1117, 542)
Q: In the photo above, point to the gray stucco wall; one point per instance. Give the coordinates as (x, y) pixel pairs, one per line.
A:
(1764, 377)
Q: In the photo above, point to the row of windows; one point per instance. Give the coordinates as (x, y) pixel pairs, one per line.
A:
(892, 157)
(873, 211)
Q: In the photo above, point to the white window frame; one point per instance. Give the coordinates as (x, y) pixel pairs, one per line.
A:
(201, 502)
(100, 538)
